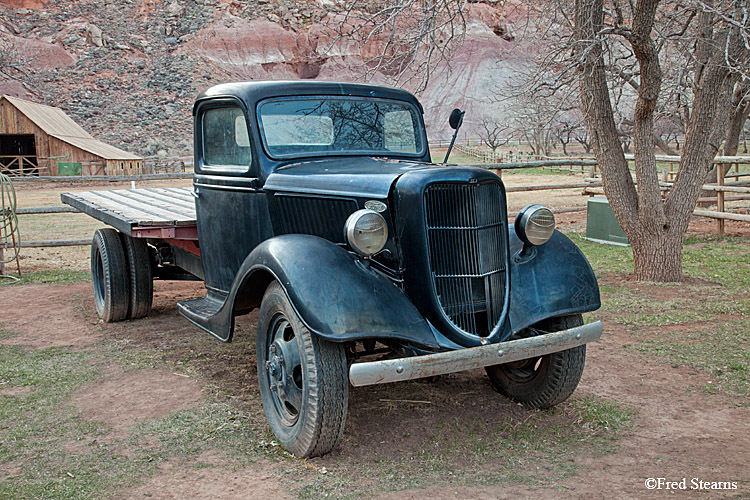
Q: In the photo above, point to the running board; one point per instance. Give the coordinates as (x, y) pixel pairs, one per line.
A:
(210, 313)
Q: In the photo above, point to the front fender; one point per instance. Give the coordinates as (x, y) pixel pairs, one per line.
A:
(557, 280)
(335, 294)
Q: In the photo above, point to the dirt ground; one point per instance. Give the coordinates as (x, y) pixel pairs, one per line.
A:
(679, 431)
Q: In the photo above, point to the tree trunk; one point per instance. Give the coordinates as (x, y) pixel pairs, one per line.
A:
(654, 228)
(658, 257)
(736, 124)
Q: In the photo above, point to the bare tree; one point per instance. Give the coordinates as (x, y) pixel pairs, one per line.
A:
(533, 120)
(715, 37)
(494, 133)
(582, 138)
(568, 127)
(564, 136)
(406, 38)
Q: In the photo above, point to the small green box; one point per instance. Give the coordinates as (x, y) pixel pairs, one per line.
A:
(601, 224)
(68, 168)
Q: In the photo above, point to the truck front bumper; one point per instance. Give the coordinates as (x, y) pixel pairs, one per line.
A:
(397, 370)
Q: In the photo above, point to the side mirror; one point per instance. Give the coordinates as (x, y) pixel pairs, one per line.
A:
(455, 118)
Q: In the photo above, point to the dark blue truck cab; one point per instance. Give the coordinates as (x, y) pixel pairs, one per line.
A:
(318, 204)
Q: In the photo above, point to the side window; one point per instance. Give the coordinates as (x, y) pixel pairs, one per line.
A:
(399, 132)
(226, 141)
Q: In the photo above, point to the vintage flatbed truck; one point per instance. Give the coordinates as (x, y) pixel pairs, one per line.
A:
(318, 204)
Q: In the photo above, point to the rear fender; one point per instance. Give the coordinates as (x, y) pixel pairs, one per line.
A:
(556, 280)
(335, 294)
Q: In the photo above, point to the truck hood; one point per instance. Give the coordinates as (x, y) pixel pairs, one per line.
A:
(355, 177)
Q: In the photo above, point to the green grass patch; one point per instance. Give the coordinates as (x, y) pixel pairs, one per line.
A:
(64, 226)
(49, 277)
(663, 319)
(601, 416)
(4, 334)
(721, 351)
(36, 424)
(212, 425)
(726, 305)
(604, 258)
(53, 453)
(699, 323)
(536, 448)
(39, 429)
(541, 171)
(720, 260)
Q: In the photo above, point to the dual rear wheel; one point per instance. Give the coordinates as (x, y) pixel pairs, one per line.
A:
(121, 275)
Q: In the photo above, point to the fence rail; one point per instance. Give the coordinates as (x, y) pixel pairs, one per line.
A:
(19, 165)
(89, 178)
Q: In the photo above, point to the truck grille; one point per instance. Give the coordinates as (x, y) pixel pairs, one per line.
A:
(466, 239)
(324, 217)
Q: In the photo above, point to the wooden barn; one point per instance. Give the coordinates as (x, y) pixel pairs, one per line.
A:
(42, 140)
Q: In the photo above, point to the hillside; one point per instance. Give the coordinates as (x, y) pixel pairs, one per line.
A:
(128, 70)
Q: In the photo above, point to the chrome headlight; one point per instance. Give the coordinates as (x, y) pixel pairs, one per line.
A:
(366, 231)
(535, 224)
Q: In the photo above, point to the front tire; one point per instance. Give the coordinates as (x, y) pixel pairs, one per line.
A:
(545, 381)
(302, 378)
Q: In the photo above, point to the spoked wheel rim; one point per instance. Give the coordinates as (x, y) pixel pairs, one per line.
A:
(524, 370)
(283, 370)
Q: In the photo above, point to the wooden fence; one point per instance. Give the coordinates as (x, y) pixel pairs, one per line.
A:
(19, 165)
(488, 156)
(724, 165)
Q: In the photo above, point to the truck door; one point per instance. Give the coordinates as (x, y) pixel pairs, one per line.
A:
(231, 208)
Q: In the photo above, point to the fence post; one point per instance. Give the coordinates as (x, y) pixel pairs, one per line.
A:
(720, 196)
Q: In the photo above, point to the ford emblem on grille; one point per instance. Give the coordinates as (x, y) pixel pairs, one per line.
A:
(376, 205)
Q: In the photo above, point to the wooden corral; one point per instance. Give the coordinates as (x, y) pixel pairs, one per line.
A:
(42, 140)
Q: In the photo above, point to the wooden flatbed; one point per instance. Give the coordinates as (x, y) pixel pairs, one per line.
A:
(166, 213)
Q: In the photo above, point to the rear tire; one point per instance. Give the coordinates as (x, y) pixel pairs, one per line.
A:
(545, 381)
(303, 379)
(139, 276)
(109, 275)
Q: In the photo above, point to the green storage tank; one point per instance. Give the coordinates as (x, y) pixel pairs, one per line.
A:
(601, 224)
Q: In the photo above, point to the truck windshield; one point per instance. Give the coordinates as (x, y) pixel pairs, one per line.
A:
(315, 127)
